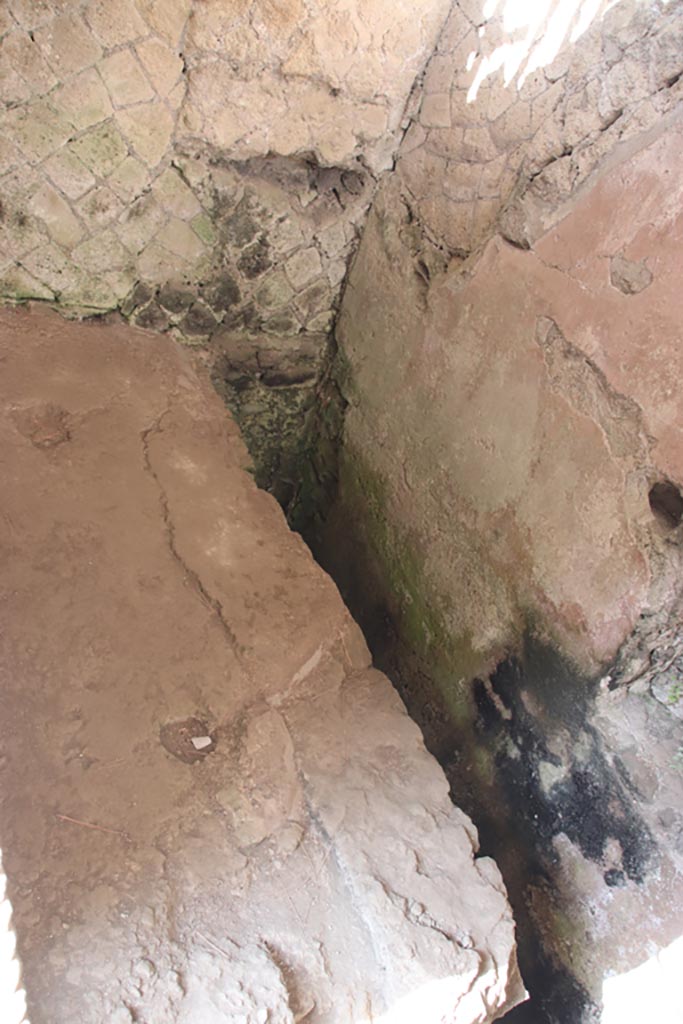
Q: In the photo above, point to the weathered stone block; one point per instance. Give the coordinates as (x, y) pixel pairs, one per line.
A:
(148, 128)
(175, 196)
(140, 222)
(285, 235)
(513, 126)
(199, 320)
(129, 179)
(20, 183)
(241, 226)
(175, 297)
(179, 238)
(9, 155)
(99, 207)
(19, 232)
(67, 45)
(321, 323)
(162, 64)
(484, 215)
(22, 54)
(314, 299)
(275, 291)
(69, 173)
(435, 111)
(114, 22)
(422, 171)
(54, 211)
(152, 317)
(282, 324)
(102, 149)
(445, 143)
(204, 227)
(629, 276)
(167, 17)
(101, 253)
(156, 263)
(461, 181)
(303, 267)
(7, 22)
(499, 97)
(139, 296)
(17, 284)
(439, 74)
(223, 293)
(120, 282)
(125, 79)
(491, 183)
(478, 145)
(176, 97)
(49, 265)
(36, 129)
(255, 259)
(336, 272)
(84, 100)
(667, 61)
(32, 13)
(13, 88)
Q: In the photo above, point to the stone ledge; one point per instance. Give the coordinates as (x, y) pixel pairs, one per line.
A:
(309, 860)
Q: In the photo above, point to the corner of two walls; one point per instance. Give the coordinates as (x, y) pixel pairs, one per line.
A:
(507, 519)
(503, 374)
(204, 169)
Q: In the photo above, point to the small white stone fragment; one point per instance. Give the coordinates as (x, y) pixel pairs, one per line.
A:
(200, 742)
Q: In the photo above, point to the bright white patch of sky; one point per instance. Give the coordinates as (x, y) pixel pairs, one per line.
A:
(537, 31)
(12, 997)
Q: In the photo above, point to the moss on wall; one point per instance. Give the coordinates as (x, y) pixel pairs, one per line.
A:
(383, 578)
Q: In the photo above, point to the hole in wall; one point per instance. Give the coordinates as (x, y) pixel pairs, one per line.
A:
(666, 502)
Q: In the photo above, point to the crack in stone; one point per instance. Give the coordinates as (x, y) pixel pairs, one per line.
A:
(417, 914)
(333, 852)
(300, 1005)
(211, 602)
(575, 375)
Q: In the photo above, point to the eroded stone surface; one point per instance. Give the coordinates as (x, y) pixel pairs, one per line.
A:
(520, 106)
(309, 864)
(538, 409)
(156, 144)
(151, 146)
(292, 78)
(529, 484)
(123, 95)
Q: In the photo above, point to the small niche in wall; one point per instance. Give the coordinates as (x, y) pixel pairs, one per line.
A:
(666, 502)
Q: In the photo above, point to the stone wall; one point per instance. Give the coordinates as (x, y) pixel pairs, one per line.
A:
(507, 524)
(524, 377)
(110, 107)
(538, 412)
(203, 168)
(519, 106)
